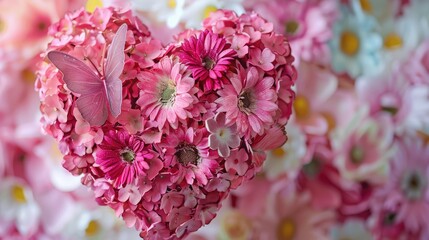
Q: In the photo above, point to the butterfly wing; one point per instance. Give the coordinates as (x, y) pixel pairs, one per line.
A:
(93, 107)
(76, 74)
(82, 80)
(113, 69)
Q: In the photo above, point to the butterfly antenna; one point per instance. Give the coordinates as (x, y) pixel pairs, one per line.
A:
(99, 74)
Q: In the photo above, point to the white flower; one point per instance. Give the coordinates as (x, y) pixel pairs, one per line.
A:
(418, 118)
(355, 46)
(98, 224)
(17, 206)
(364, 148)
(288, 158)
(196, 10)
(400, 37)
(418, 9)
(352, 229)
(165, 11)
(380, 9)
(49, 153)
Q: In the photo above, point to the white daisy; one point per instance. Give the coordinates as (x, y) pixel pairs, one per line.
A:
(165, 11)
(352, 229)
(196, 10)
(17, 206)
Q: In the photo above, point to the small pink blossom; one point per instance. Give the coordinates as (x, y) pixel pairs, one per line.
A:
(237, 161)
(222, 138)
(263, 59)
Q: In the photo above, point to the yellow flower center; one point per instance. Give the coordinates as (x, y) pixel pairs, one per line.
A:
(92, 229)
(18, 194)
(278, 152)
(392, 41)
(286, 229)
(349, 43)
(209, 9)
(301, 107)
(330, 120)
(2, 26)
(357, 155)
(91, 5)
(55, 153)
(291, 27)
(366, 5)
(28, 76)
(172, 4)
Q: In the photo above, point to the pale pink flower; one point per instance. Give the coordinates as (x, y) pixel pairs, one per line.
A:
(292, 217)
(167, 93)
(406, 193)
(222, 137)
(320, 106)
(406, 105)
(249, 101)
(362, 152)
(306, 24)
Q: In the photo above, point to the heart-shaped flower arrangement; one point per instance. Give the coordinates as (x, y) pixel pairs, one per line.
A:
(162, 134)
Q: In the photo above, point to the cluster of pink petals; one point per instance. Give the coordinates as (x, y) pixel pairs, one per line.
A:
(196, 115)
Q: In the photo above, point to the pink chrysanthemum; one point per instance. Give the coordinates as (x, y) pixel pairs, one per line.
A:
(249, 101)
(208, 56)
(166, 93)
(122, 157)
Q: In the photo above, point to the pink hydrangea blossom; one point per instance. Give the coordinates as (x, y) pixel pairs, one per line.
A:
(222, 137)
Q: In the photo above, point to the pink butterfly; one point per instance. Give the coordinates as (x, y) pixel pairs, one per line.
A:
(97, 93)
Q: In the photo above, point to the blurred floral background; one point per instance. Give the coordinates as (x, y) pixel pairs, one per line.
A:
(356, 163)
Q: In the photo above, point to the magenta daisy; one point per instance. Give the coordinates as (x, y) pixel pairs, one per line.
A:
(249, 101)
(189, 153)
(167, 93)
(123, 157)
(208, 56)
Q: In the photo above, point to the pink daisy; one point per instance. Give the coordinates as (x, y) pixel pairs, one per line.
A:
(122, 157)
(208, 56)
(166, 93)
(249, 101)
(189, 153)
(292, 217)
(406, 194)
